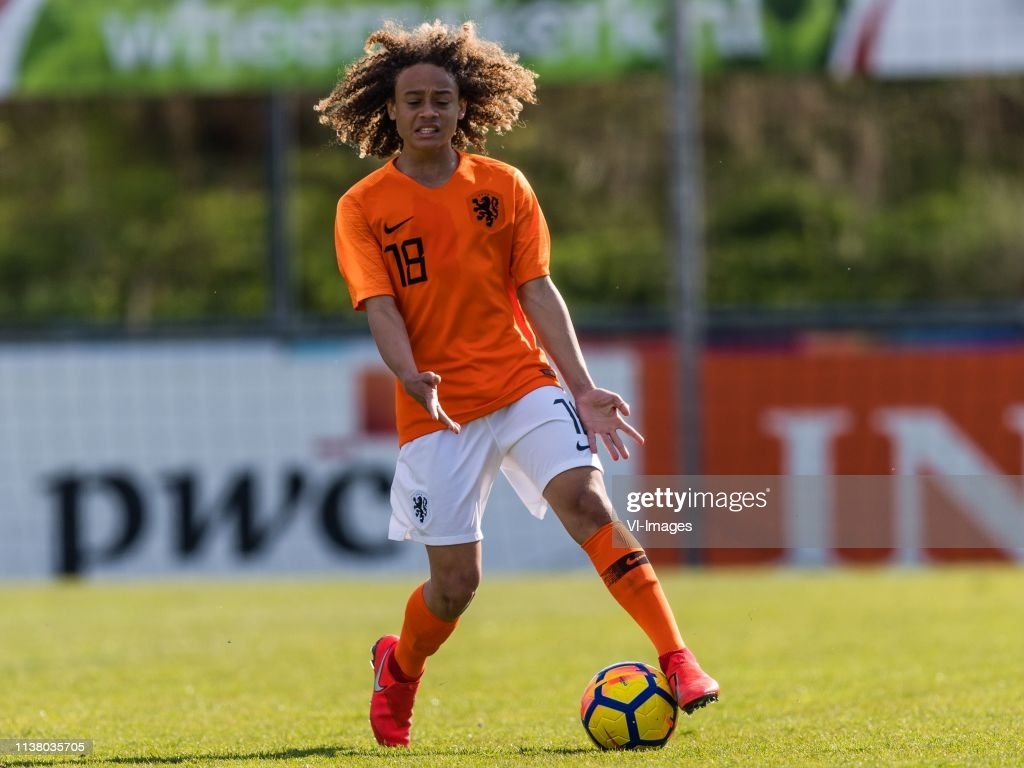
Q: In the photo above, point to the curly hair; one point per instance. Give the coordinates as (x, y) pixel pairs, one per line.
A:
(492, 81)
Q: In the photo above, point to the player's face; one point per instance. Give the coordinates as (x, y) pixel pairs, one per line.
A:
(426, 107)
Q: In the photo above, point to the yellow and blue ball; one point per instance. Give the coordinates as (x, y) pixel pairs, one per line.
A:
(628, 705)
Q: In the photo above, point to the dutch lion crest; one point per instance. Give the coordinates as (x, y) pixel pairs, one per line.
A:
(420, 506)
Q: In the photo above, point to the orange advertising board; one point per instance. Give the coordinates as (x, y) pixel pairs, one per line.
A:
(954, 415)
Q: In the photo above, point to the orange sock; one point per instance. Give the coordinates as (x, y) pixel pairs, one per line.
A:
(422, 634)
(629, 576)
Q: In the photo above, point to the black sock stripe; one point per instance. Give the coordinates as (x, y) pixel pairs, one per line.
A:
(623, 565)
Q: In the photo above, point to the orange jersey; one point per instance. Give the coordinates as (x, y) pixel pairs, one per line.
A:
(452, 258)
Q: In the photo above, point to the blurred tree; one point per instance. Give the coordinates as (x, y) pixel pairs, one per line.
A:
(133, 213)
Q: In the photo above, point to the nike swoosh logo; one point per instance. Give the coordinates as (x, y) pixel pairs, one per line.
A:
(377, 687)
(388, 230)
(635, 559)
(584, 447)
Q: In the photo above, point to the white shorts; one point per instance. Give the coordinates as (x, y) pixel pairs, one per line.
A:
(443, 480)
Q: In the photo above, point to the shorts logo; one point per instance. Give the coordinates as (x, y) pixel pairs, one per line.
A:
(420, 505)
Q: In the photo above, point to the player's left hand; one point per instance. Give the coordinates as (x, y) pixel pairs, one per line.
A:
(603, 415)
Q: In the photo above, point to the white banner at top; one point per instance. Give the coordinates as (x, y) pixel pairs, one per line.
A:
(930, 38)
(76, 47)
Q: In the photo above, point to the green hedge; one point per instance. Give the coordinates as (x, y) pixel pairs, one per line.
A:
(141, 212)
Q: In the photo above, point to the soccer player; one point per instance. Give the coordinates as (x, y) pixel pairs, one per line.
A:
(447, 252)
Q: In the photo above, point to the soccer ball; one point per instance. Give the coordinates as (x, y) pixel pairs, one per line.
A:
(628, 705)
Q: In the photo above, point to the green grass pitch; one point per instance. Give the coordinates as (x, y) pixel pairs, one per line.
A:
(845, 667)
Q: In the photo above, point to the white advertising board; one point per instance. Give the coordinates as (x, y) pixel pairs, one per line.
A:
(170, 459)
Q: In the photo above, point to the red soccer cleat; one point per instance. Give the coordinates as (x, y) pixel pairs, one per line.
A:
(691, 685)
(391, 702)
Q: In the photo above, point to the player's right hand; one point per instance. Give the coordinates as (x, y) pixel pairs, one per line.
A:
(422, 387)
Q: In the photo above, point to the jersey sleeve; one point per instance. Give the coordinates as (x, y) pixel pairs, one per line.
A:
(359, 254)
(531, 247)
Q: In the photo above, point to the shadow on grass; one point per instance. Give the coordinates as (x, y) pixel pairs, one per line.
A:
(296, 754)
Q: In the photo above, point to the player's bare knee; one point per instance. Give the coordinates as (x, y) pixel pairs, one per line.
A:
(580, 501)
(575, 489)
